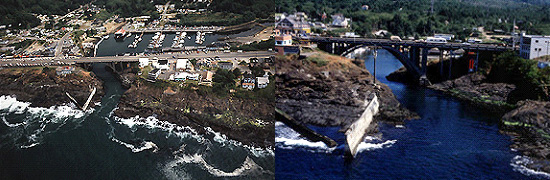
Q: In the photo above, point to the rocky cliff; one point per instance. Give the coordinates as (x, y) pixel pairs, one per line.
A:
(42, 87)
(328, 90)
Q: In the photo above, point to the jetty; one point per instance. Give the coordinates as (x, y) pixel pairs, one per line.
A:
(303, 130)
(358, 129)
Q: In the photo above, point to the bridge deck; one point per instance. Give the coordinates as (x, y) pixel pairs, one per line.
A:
(386, 42)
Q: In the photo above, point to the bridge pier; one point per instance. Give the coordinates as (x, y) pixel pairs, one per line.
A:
(450, 65)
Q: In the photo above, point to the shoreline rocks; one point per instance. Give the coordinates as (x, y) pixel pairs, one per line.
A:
(250, 122)
(42, 87)
(328, 90)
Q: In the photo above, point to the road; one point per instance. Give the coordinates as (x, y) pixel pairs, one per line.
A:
(52, 61)
(59, 47)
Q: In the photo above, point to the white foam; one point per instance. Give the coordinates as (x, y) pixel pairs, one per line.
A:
(366, 146)
(143, 146)
(286, 138)
(519, 163)
(188, 132)
(247, 166)
(36, 119)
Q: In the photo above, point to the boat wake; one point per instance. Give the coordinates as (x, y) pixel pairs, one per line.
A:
(520, 163)
(27, 125)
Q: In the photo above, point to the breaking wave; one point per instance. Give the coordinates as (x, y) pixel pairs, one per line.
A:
(35, 122)
(519, 163)
(248, 166)
(287, 138)
(143, 146)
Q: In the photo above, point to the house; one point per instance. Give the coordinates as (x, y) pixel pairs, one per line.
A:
(153, 75)
(225, 65)
(206, 77)
(248, 81)
(338, 20)
(182, 76)
(262, 81)
(533, 46)
(283, 45)
(64, 70)
(294, 24)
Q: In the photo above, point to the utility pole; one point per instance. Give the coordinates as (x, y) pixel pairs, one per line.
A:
(374, 71)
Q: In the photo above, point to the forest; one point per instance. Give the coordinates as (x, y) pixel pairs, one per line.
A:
(21, 12)
(415, 18)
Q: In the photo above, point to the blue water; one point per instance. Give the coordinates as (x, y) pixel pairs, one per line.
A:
(452, 140)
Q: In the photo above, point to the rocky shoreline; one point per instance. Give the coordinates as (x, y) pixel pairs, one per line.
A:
(250, 122)
(42, 87)
(328, 90)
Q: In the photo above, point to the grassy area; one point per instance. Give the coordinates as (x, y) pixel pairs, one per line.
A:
(317, 60)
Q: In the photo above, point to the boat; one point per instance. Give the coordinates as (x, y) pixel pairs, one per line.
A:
(106, 37)
(120, 34)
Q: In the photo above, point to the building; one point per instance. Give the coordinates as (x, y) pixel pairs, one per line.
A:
(225, 65)
(182, 64)
(293, 24)
(338, 20)
(64, 70)
(248, 81)
(448, 37)
(182, 76)
(161, 64)
(153, 75)
(283, 45)
(533, 46)
(143, 62)
(262, 81)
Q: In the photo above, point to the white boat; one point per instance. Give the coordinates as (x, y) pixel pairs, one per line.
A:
(106, 37)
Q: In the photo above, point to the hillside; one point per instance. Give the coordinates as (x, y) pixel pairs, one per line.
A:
(405, 17)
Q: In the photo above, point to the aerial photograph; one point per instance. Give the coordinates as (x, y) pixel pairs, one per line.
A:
(412, 89)
(137, 89)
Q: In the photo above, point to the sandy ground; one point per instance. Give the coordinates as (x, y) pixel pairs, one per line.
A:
(113, 26)
(263, 35)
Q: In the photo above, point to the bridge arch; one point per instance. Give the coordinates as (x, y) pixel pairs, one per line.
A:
(407, 62)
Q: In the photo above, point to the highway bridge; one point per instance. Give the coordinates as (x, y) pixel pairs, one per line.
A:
(412, 54)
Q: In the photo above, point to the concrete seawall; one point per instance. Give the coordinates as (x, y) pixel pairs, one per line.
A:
(356, 132)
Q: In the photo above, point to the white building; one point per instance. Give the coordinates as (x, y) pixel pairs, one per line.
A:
(143, 62)
(262, 82)
(183, 64)
(533, 46)
(448, 37)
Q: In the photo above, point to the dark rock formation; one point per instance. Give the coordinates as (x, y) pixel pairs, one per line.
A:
(42, 87)
(328, 90)
(529, 125)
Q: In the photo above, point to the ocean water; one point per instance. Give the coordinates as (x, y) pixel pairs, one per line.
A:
(452, 140)
(65, 143)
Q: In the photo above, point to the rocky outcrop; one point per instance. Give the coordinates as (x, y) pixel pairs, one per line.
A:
(42, 87)
(329, 90)
(473, 88)
(529, 125)
(245, 120)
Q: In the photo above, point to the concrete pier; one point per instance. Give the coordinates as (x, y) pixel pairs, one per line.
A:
(356, 132)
